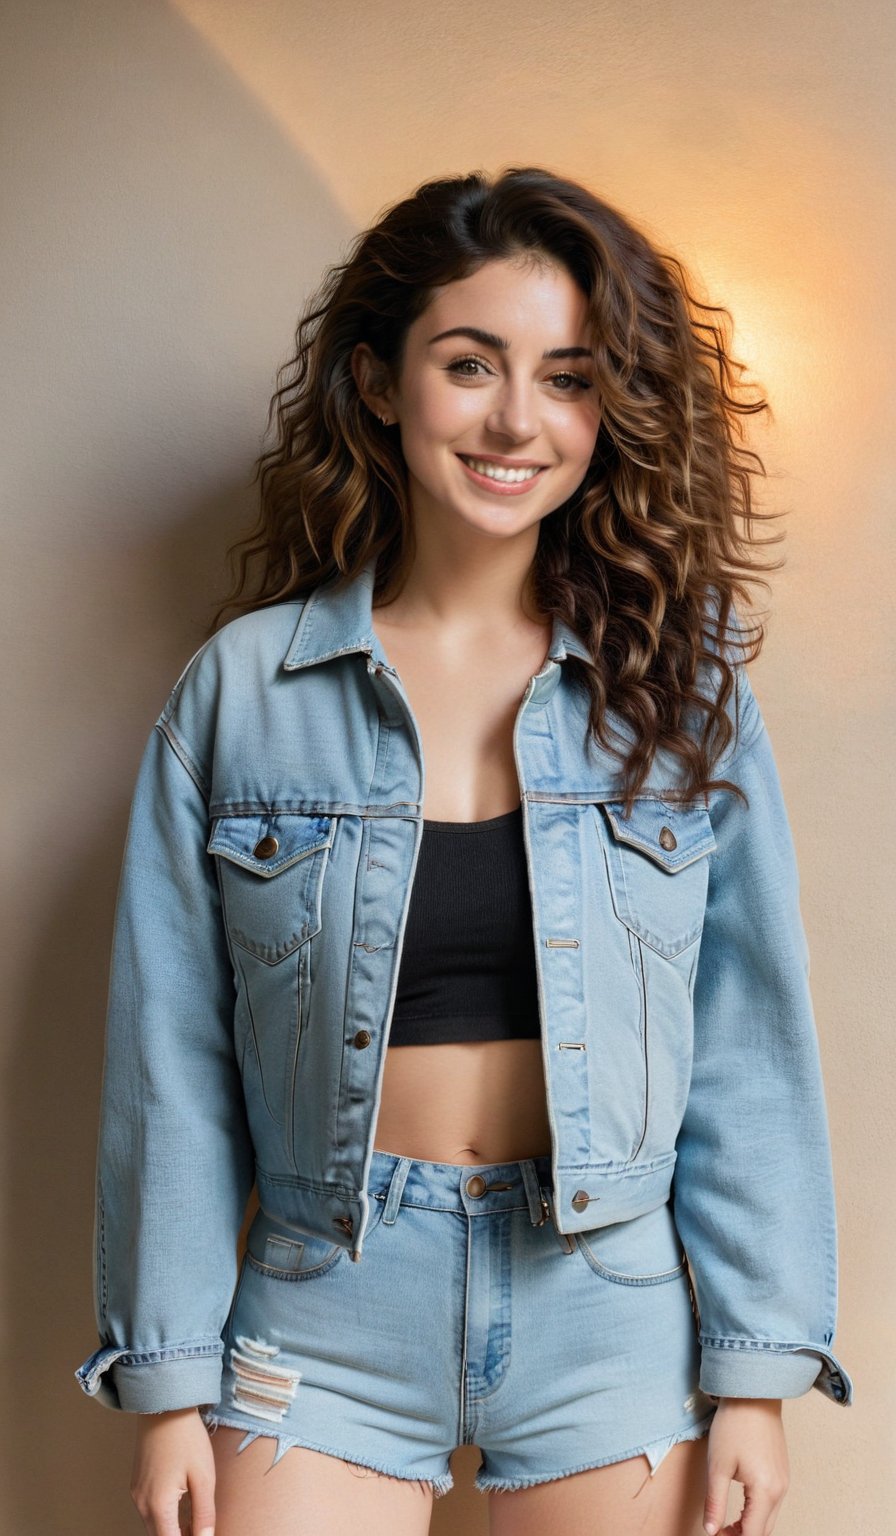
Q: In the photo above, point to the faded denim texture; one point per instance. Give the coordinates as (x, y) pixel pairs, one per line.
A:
(267, 872)
(472, 1362)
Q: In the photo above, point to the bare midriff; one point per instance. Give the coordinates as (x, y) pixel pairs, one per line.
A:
(478, 1101)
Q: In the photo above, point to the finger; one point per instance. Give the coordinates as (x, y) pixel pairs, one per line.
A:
(715, 1503)
(755, 1514)
(161, 1517)
(202, 1500)
(168, 1524)
(184, 1512)
(773, 1518)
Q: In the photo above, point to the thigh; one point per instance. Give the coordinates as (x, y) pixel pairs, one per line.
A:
(618, 1500)
(308, 1492)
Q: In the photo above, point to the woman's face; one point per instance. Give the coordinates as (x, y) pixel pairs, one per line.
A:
(495, 431)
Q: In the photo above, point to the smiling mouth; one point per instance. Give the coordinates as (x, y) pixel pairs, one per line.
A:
(502, 473)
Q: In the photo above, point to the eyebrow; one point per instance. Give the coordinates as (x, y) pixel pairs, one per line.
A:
(488, 339)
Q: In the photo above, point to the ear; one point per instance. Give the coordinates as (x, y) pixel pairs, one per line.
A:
(372, 378)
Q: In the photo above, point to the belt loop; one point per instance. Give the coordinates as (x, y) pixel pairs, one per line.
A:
(396, 1187)
(537, 1209)
(566, 1241)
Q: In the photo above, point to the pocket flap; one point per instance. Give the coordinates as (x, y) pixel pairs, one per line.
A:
(269, 843)
(673, 836)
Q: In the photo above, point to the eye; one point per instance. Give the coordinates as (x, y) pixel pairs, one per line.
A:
(568, 383)
(460, 363)
(576, 379)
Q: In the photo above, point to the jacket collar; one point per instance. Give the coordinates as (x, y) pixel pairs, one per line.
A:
(338, 618)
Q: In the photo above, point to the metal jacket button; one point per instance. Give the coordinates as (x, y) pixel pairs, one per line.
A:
(580, 1200)
(361, 1039)
(668, 840)
(476, 1186)
(266, 848)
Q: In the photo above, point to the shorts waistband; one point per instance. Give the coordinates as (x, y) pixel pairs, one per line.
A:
(475, 1188)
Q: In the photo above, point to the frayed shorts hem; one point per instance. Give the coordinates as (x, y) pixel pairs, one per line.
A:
(654, 1450)
(438, 1485)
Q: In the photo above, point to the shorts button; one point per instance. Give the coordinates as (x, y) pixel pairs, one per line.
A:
(580, 1200)
(266, 848)
(668, 840)
(476, 1186)
(361, 1039)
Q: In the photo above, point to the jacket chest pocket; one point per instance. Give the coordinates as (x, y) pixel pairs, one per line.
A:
(271, 869)
(658, 869)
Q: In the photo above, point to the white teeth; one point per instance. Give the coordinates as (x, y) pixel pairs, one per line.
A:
(497, 472)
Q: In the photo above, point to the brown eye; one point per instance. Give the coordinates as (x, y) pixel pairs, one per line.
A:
(576, 379)
(460, 363)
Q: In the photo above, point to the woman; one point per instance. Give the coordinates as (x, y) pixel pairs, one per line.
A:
(436, 925)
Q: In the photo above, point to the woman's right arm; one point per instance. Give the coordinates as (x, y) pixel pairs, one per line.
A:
(175, 1161)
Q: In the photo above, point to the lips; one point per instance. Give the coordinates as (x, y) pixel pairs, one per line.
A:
(514, 480)
(499, 463)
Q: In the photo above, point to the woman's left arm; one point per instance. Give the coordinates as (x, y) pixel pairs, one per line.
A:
(753, 1186)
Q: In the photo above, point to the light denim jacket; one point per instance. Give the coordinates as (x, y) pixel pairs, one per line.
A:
(270, 853)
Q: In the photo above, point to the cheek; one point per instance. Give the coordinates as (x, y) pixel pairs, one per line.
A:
(579, 437)
(441, 414)
(436, 423)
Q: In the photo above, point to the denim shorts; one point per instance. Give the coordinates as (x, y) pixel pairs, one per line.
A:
(467, 1320)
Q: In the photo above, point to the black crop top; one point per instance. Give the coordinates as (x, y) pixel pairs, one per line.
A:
(468, 962)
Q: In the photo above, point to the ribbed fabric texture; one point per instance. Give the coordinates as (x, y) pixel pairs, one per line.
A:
(468, 962)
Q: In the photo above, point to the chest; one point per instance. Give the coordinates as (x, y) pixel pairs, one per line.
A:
(465, 700)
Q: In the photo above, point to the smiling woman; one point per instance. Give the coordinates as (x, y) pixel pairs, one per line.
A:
(462, 414)
(460, 915)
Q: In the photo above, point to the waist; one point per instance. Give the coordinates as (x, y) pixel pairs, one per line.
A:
(465, 1102)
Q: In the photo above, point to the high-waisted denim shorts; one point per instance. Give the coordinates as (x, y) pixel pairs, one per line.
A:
(468, 1319)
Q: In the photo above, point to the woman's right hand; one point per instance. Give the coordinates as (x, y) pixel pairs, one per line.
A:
(173, 1456)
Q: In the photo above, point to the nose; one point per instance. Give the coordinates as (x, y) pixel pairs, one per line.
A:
(514, 412)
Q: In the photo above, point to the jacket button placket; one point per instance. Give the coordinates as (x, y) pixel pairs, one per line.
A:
(384, 869)
(552, 855)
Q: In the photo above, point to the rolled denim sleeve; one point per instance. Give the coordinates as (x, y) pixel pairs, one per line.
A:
(753, 1187)
(175, 1163)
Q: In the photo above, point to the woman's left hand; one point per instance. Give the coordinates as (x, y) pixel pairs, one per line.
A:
(746, 1444)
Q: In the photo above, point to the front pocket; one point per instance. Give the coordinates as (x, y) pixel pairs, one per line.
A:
(646, 1250)
(286, 1253)
(271, 868)
(658, 870)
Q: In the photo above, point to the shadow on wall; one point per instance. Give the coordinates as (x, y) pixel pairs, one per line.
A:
(164, 241)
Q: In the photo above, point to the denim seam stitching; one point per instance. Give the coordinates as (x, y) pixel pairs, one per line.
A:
(184, 757)
(767, 1345)
(171, 1352)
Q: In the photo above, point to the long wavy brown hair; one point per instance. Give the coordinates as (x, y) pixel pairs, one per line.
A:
(648, 560)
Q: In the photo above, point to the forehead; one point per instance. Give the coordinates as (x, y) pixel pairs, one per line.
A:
(513, 299)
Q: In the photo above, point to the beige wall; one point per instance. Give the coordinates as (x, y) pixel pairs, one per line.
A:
(177, 175)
